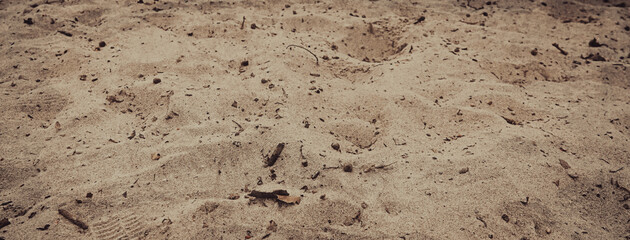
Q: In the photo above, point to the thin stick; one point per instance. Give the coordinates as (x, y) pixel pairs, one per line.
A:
(276, 154)
(73, 219)
(316, 59)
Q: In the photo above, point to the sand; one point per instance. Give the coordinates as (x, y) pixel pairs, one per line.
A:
(399, 119)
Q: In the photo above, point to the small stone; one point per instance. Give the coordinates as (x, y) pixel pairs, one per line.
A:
(548, 230)
(89, 195)
(463, 170)
(335, 146)
(347, 168)
(83, 77)
(245, 63)
(564, 164)
(157, 80)
(155, 156)
(102, 44)
(28, 21)
(505, 218)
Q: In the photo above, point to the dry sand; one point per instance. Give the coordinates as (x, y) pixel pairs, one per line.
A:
(414, 120)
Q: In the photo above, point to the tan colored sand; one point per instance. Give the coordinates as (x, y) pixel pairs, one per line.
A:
(465, 124)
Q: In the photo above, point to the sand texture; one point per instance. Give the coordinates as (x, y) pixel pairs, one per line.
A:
(377, 119)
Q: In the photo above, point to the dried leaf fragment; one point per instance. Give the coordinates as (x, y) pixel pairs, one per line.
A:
(564, 164)
(234, 196)
(289, 199)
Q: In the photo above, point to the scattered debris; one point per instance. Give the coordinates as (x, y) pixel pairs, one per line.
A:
(113, 99)
(420, 19)
(595, 57)
(526, 201)
(375, 167)
(276, 153)
(240, 128)
(155, 156)
(132, 135)
(564, 164)
(67, 34)
(289, 199)
(44, 228)
(335, 146)
(483, 221)
(594, 43)
(615, 171)
(401, 47)
(399, 142)
(268, 195)
(279, 195)
(273, 227)
(171, 115)
(511, 121)
(347, 168)
(316, 59)
(4, 222)
(73, 219)
(234, 196)
(561, 50)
